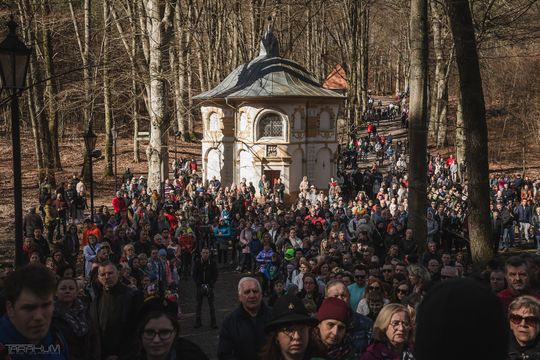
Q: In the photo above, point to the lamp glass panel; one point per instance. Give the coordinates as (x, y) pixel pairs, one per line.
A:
(6, 63)
(21, 64)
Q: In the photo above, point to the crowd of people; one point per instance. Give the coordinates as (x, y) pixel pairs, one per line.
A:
(341, 274)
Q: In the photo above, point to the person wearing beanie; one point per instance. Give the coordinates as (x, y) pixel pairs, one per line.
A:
(330, 336)
(288, 331)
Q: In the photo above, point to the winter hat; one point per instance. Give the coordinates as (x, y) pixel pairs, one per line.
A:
(162, 252)
(335, 309)
(289, 254)
(289, 309)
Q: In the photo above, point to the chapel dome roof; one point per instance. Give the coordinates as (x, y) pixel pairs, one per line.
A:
(268, 75)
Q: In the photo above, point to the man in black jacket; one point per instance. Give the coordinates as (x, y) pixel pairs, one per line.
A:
(205, 275)
(242, 332)
(114, 312)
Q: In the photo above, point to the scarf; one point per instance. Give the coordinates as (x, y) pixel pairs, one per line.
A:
(341, 351)
(75, 316)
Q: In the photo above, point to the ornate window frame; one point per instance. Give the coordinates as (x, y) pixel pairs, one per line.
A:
(285, 127)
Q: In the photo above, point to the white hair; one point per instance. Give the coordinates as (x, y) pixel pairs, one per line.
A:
(248, 278)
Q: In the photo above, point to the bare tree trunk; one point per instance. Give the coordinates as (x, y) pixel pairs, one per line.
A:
(474, 118)
(365, 55)
(418, 122)
(398, 88)
(86, 59)
(180, 77)
(157, 151)
(50, 86)
(460, 131)
(435, 95)
(108, 171)
(84, 43)
(442, 116)
(33, 108)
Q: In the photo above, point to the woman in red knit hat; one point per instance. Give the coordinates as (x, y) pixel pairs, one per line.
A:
(330, 337)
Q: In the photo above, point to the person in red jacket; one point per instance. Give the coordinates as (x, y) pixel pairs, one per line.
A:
(517, 278)
(118, 203)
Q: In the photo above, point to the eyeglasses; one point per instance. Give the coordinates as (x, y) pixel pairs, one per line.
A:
(531, 321)
(163, 334)
(290, 330)
(396, 323)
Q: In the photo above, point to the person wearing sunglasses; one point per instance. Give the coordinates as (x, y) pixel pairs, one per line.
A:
(524, 318)
(401, 292)
(374, 285)
(357, 289)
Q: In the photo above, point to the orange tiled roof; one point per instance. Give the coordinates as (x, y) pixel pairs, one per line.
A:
(337, 79)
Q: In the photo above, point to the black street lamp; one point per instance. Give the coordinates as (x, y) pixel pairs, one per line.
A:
(14, 58)
(90, 142)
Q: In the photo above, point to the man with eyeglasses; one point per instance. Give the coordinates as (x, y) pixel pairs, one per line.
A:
(517, 278)
(357, 288)
(242, 332)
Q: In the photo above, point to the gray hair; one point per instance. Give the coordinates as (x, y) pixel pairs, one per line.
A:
(248, 278)
(332, 283)
(421, 272)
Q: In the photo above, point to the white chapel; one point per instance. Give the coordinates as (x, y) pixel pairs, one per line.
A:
(270, 116)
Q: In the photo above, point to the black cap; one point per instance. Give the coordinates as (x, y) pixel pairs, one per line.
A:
(289, 309)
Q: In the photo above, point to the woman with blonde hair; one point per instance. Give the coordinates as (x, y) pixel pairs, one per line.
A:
(392, 333)
(128, 253)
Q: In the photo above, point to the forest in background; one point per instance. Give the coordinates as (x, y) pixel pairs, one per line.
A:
(102, 62)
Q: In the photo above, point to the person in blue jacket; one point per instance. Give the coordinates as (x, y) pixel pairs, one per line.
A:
(25, 329)
(222, 233)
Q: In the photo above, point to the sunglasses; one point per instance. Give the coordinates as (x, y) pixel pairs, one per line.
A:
(387, 270)
(374, 287)
(531, 321)
(402, 291)
(359, 276)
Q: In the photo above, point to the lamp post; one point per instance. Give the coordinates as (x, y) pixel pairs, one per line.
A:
(14, 58)
(90, 143)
